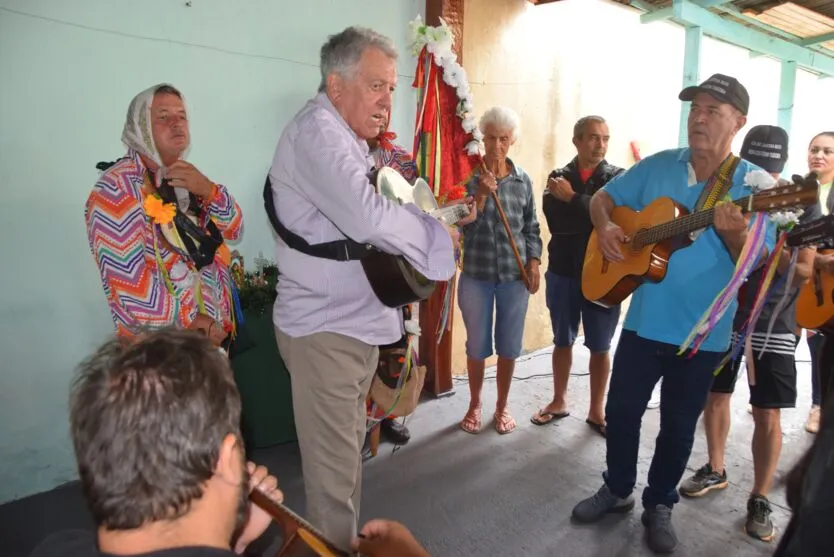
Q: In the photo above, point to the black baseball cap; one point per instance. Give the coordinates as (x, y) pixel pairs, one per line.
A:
(724, 88)
(767, 147)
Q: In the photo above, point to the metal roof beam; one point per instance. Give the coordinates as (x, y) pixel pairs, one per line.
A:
(640, 5)
(658, 15)
(711, 3)
(824, 38)
(790, 37)
(692, 15)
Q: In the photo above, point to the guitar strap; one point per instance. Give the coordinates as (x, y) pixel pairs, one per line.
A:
(716, 188)
(338, 250)
(718, 184)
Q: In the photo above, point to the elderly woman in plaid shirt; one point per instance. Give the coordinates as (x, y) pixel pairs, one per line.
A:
(490, 277)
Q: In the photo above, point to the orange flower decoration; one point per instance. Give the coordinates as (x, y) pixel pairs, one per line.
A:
(161, 213)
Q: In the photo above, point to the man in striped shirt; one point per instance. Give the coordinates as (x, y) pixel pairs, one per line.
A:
(772, 368)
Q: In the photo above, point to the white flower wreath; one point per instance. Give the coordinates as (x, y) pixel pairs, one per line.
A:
(438, 41)
(759, 180)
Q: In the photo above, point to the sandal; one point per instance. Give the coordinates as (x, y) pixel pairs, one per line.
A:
(472, 420)
(504, 422)
(542, 418)
(599, 428)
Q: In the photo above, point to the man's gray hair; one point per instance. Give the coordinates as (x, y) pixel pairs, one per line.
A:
(503, 118)
(341, 53)
(582, 123)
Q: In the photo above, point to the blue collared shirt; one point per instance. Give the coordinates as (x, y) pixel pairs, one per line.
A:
(667, 311)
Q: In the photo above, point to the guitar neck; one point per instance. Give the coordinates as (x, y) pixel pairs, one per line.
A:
(282, 514)
(686, 224)
(451, 214)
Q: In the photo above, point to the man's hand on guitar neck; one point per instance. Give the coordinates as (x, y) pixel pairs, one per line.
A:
(825, 262)
(259, 520)
(470, 204)
(731, 225)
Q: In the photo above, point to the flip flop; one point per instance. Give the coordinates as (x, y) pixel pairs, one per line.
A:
(471, 422)
(599, 428)
(544, 418)
(504, 422)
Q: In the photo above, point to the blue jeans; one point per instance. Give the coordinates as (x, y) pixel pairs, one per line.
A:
(638, 365)
(477, 299)
(567, 306)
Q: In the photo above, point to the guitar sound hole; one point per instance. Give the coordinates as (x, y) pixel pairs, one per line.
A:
(637, 244)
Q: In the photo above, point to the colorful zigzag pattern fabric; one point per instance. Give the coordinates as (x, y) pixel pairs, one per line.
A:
(122, 238)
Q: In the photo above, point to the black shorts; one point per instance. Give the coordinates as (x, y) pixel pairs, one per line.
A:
(775, 380)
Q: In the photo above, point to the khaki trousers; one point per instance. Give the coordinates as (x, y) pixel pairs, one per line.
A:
(331, 375)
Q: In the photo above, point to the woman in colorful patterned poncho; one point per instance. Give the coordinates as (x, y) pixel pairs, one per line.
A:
(387, 153)
(157, 272)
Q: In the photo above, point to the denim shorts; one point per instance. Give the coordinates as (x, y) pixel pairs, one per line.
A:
(567, 305)
(477, 299)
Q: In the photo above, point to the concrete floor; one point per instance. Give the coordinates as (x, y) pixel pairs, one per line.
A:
(491, 495)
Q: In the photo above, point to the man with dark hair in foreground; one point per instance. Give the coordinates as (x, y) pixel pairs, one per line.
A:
(155, 428)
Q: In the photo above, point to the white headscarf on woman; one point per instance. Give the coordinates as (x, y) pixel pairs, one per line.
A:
(138, 135)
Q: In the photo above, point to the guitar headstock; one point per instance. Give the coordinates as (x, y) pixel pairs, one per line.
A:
(814, 232)
(451, 214)
(802, 192)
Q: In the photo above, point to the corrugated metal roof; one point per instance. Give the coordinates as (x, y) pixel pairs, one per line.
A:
(797, 20)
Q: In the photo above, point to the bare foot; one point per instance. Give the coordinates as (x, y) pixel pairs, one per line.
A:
(472, 420)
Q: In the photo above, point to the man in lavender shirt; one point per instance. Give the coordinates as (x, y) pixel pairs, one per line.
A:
(328, 322)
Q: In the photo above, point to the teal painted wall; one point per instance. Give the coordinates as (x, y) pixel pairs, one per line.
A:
(68, 70)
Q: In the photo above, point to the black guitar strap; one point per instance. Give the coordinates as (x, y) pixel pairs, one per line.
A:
(338, 250)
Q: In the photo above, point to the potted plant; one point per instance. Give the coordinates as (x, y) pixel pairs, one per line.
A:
(259, 370)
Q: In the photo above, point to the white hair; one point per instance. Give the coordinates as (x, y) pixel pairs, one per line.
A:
(503, 118)
(341, 53)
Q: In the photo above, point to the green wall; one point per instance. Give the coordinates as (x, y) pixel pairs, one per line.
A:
(67, 72)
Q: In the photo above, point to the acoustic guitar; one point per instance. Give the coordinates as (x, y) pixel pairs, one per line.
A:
(663, 227)
(393, 279)
(815, 303)
(300, 537)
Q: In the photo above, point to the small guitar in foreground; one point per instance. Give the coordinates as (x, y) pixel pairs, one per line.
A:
(393, 279)
(300, 537)
(663, 227)
(815, 303)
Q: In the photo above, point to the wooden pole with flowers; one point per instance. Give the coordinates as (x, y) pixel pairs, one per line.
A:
(447, 152)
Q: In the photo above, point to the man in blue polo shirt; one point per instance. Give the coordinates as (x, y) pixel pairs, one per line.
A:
(773, 339)
(661, 315)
